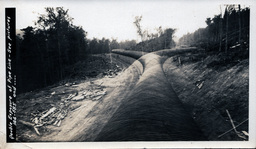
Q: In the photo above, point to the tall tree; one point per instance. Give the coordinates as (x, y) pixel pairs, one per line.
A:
(57, 22)
(168, 38)
(222, 31)
(220, 28)
(240, 26)
(47, 49)
(226, 43)
(138, 26)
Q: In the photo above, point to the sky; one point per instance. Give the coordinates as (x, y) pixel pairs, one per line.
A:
(114, 19)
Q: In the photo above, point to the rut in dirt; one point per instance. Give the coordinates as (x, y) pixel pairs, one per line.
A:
(152, 111)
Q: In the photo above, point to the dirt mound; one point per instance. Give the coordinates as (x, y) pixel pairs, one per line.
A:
(212, 91)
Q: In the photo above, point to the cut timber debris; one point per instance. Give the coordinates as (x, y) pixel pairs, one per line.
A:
(95, 94)
(233, 128)
(87, 93)
(68, 84)
(27, 123)
(239, 134)
(37, 132)
(77, 98)
(245, 133)
(56, 113)
(112, 72)
(59, 123)
(199, 84)
(232, 123)
(72, 95)
(53, 93)
(97, 98)
(31, 125)
(47, 113)
(53, 116)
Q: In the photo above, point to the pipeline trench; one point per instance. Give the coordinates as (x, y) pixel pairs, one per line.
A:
(152, 111)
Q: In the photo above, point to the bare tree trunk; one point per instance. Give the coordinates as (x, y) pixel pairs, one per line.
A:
(43, 70)
(220, 36)
(220, 27)
(60, 62)
(226, 46)
(240, 30)
(49, 66)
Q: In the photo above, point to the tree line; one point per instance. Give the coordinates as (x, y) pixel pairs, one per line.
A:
(44, 51)
(162, 39)
(97, 46)
(54, 43)
(223, 32)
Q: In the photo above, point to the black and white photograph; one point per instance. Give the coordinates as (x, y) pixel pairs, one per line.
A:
(145, 74)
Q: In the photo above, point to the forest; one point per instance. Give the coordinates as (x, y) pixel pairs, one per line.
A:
(223, 33)
(44, 51)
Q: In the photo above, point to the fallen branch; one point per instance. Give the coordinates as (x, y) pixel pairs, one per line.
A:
(48, 113)
(71, 96)
(58, 124)
(79, 108)
(200, 85)
(232, 123)
(37, 132)
(27, 123)
(245, 133)
(239, 134)
(79, 97)
(31, 125)
(232, 128)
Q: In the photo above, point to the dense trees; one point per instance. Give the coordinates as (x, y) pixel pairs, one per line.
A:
(163, 39)
(97, 46)
(45, 50)
(127, 44)
(223, 32)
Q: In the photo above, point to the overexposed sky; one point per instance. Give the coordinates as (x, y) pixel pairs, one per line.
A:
(114, 19)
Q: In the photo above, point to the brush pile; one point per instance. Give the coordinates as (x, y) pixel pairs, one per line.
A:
(56, 113)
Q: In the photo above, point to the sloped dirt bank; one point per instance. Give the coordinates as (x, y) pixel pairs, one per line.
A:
(210, 93)
(77, 109)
